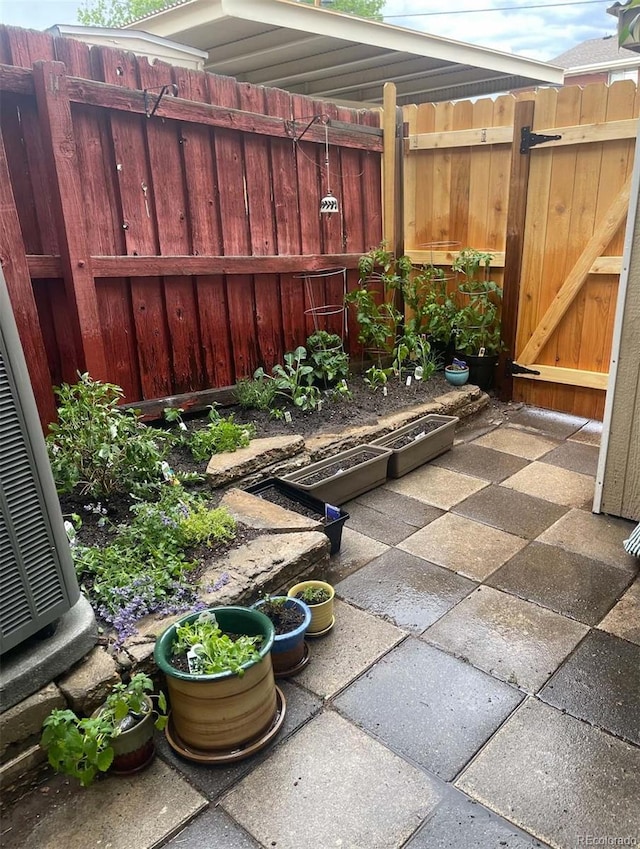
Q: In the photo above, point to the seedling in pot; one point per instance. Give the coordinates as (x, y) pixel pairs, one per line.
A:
(314, 595)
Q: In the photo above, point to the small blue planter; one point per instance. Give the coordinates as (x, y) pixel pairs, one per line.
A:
(456, 377)
(289, 652)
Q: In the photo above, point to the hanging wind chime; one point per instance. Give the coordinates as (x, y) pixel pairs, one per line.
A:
(329, 202)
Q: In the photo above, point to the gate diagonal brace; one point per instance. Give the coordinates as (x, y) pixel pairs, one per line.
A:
(529, 139)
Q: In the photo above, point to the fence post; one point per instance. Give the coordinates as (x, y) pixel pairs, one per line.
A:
(14, 264)
(54, 112)
(516, 213)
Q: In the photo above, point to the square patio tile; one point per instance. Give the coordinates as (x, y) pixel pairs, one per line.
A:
(554, 484)
(355, 642)
(507, 637)
(332, 786)
(484, 463)
(600, 683)
(428, 706)
(511, 511)
(436, 486)
(461, 823)
(558, 778)
(213, 781)
(513, 440)
(593, 535)
(385, 527)
(213, 828)
(355, 552)
(590, 433)
(575, 456)
(559, 425)
(462, 545)
(569, 583)
(624, 619)
(410, 510)
(134, 812)
(408, 590)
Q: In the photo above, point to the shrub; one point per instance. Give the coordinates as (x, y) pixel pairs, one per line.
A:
(221, 434)
(99, 448)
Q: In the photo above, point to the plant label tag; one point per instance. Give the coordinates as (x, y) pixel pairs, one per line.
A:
(418, 373)
(408, 383)
(419, 435)
(320, 405)
(287, 416)
(344, 384)
(481, 352)
(331, 512)
(385, 391)
(193, 660)
(182, 426)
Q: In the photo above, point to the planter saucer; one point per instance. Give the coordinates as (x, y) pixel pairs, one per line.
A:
(289, 673)
(325, 631)
(226, 757)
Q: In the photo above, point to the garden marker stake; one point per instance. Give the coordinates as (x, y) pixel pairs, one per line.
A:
(329, 203)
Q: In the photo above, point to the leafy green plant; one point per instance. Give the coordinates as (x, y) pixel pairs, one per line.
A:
(469, 263)
(376, 377)
(327, 357)
(222, 434)
(99, 448)
(314, 595)
(256, 394)
(82, 747)
(477, 322)
(377, 321)
(214, 650)
(145, 568)
(294, 380)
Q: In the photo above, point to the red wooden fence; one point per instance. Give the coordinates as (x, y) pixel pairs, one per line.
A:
(164, 254)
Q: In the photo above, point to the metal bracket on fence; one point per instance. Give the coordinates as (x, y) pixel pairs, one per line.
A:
(291, 127)
(512, 368)
(529, 139)
(151, 105)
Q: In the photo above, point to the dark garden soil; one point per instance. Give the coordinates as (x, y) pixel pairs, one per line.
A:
(285, 619)
(413, 434)
(274, 495)
(356, 459)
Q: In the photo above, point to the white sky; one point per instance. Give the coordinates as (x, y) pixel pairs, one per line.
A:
(537, 33)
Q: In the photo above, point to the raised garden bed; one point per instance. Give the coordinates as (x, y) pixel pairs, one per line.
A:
(417, 443)
(285, 495)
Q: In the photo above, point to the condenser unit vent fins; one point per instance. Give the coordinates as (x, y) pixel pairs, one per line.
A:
(30, 576)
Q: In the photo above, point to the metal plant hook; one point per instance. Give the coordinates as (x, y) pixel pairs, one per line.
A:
(148, 97)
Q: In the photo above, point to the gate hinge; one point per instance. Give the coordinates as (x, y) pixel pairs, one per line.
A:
(512, 368)
(529, 139)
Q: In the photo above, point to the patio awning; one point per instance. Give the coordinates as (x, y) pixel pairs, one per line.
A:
(314, 51)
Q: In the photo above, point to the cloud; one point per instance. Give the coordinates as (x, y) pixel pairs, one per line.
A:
(537, 33)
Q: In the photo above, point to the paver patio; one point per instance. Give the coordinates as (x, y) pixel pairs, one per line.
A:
(481, 687)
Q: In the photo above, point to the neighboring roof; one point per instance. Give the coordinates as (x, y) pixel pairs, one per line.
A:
(315, 51)
(136, 41)
(595, 51)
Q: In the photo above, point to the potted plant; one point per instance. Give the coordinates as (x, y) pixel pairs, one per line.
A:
(318, 595)
(417, 443)
(291, 498)
(477, 322)
(224, 701)
(457, 374)
(290, 617)
(343, 476)
(117, 736)
(431, 310)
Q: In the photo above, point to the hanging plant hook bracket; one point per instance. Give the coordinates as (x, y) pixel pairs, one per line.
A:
(150, 106)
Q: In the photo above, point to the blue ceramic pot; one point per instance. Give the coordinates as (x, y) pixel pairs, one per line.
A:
(287, 652)
(456, 377)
